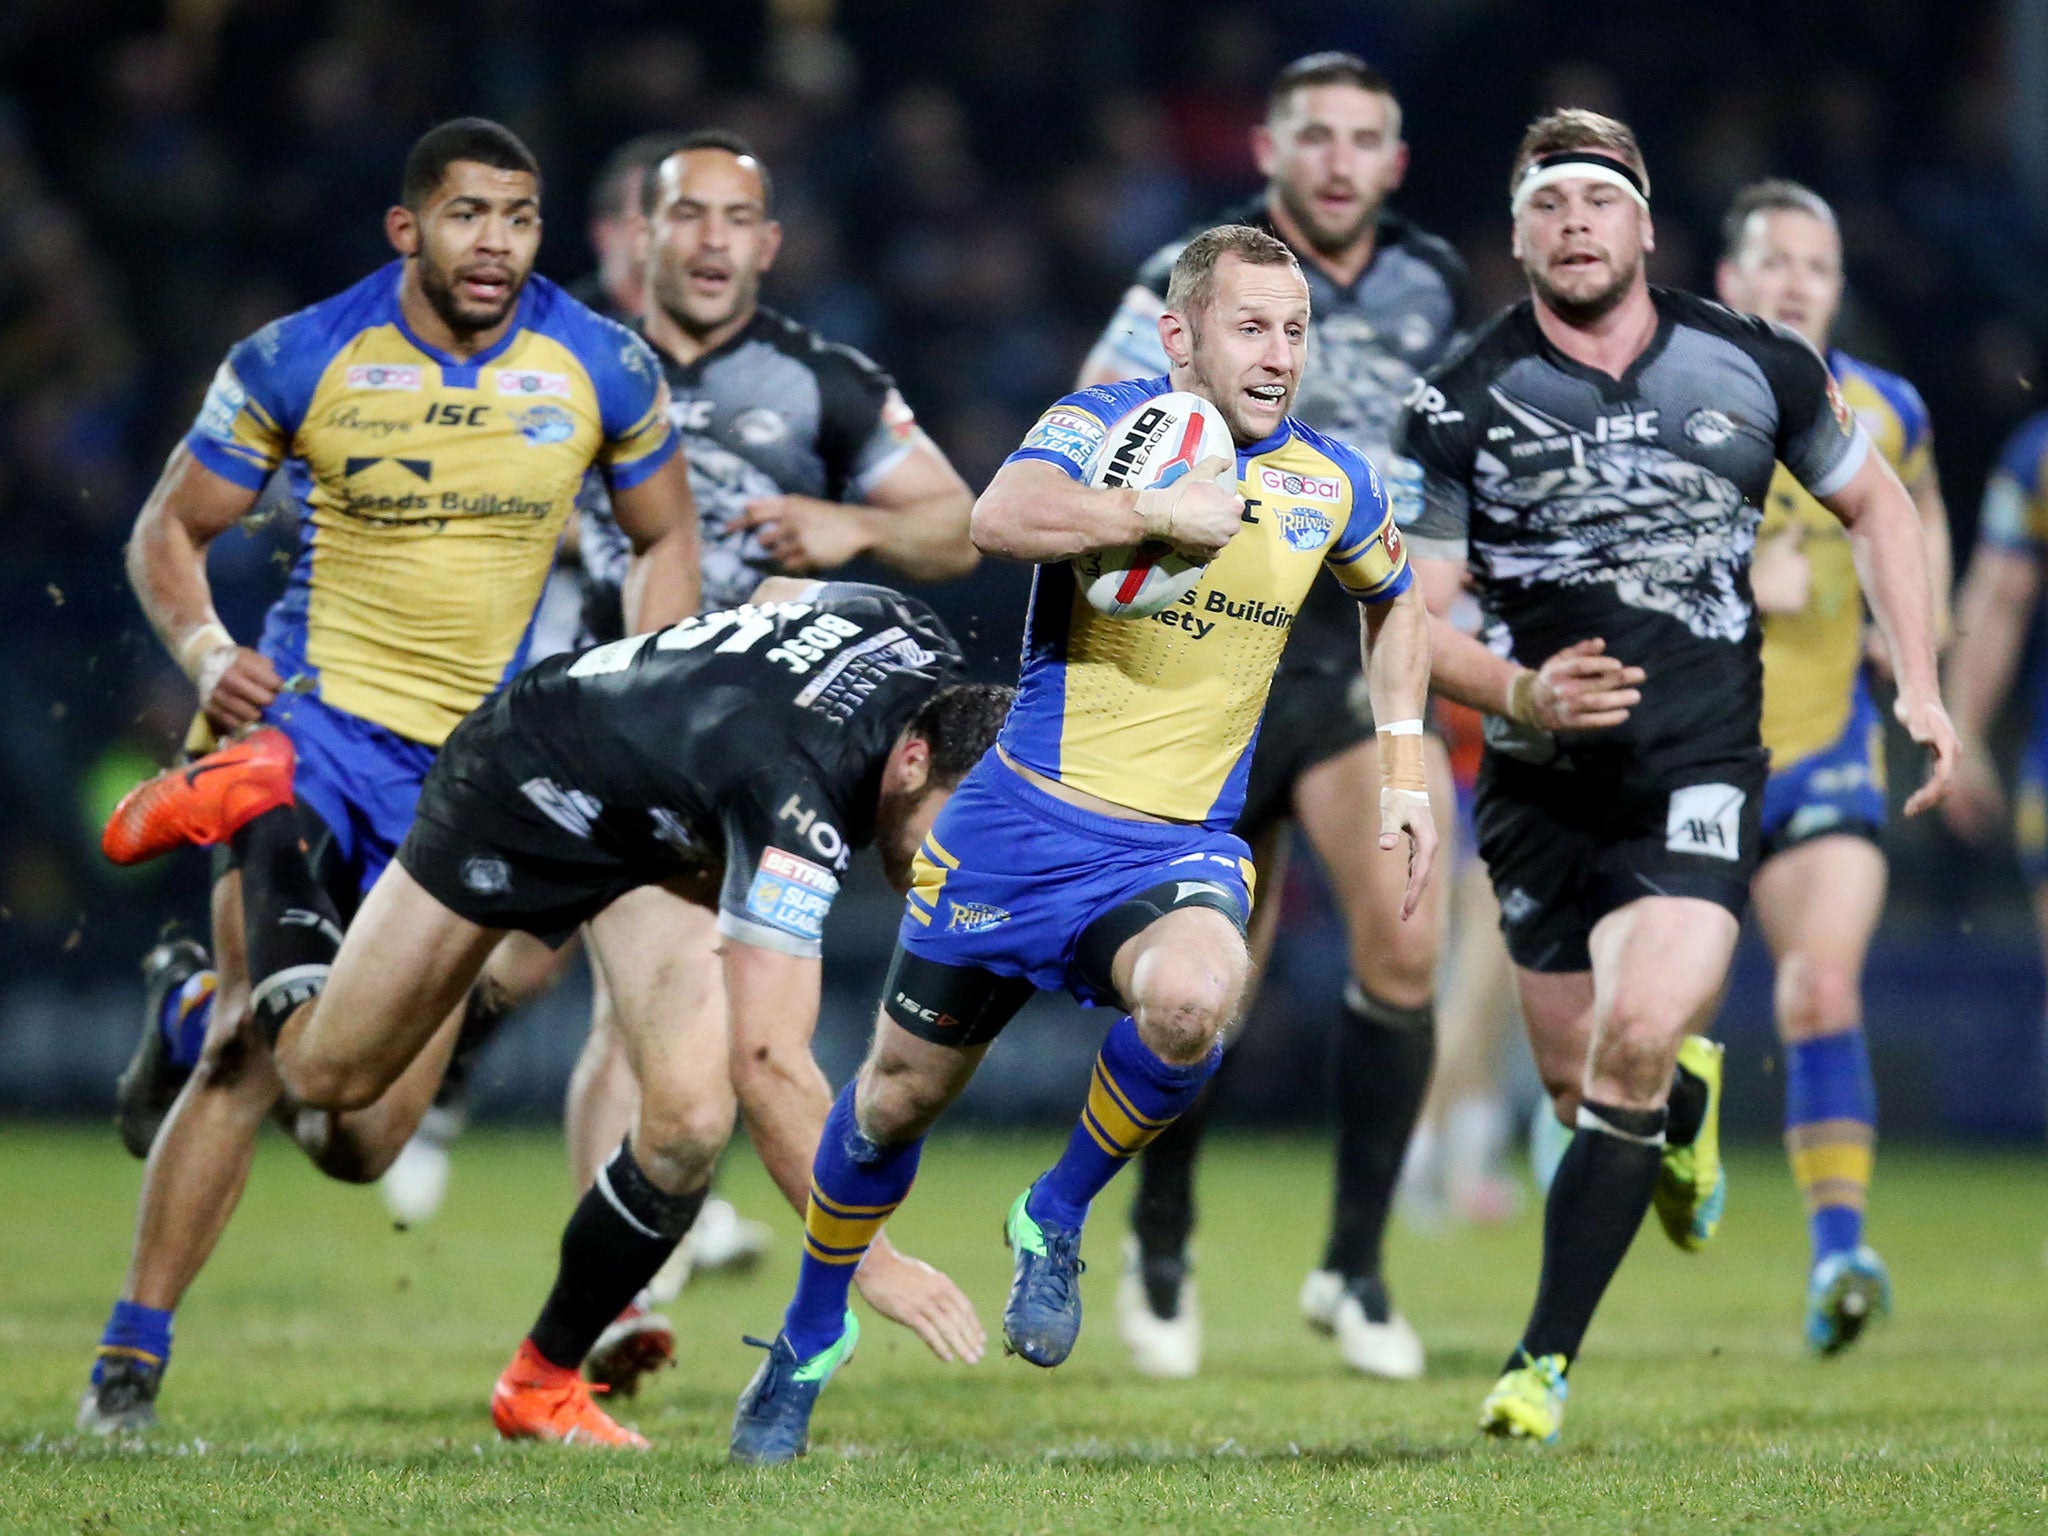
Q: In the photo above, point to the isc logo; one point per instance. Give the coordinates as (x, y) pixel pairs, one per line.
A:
(1628, 427)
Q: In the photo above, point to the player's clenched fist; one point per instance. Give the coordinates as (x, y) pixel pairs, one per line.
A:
(235, 686)
(1197, 514)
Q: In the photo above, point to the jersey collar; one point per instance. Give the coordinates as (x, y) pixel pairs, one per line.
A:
(1611, 389)
(1277, 438)
(448, 360)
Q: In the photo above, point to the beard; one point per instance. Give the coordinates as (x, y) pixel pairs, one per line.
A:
(672, 293)
(1324, 240)
(438, 285)
(1584, 309)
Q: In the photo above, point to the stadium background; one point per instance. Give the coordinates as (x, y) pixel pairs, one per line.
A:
(966, 189)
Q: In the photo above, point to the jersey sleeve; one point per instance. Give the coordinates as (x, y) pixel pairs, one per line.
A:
(1368, 557)
(784, 853)
(632, 403)
(865, 429)
(1431, 474)
(1819, 438)
(256, 400)
(1070, 435)
(2014, 514)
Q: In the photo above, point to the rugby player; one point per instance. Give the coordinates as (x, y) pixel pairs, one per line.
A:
(1387, 302)
(1092, 849)
(1994, 612)
(434, 423)
(605, 788)
(803, 456)
(1820, 886)
(1594, 459)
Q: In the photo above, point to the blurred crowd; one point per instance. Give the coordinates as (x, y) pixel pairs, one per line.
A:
(966, 188)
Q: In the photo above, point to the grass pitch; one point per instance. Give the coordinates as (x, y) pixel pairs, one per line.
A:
(332, 1375)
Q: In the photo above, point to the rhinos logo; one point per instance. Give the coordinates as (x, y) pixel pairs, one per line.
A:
(1304, 527)
(1668, 535)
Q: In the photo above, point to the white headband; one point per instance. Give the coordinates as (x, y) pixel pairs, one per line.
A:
(1572, 166)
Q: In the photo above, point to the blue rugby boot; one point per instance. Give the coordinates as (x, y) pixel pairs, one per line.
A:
(1042, 1318)
(772, 1425)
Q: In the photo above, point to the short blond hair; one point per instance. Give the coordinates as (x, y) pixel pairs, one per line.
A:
(1193, 282)
(1579, 128)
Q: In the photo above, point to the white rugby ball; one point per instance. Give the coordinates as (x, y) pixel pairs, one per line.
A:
(1160, 440)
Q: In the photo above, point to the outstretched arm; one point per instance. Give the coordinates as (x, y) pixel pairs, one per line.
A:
(1891, 562)
(772, 1000)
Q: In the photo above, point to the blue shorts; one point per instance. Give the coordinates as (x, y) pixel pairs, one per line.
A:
(1839, 789)
(361, 780)
(1015, 891)
(2030, 806)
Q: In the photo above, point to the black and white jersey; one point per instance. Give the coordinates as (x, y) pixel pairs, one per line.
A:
(1369, 341)
(776, 411)
(1625, 508)
(752, 738)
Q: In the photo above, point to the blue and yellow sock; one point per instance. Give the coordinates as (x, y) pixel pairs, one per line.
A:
(134, 1332)
(186, 1012)
(1133, 1095)
(855, 1185)
(1830, 1134)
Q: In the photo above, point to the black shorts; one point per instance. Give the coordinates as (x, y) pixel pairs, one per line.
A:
(1564, 849)
(1311, 717)
(485, 851)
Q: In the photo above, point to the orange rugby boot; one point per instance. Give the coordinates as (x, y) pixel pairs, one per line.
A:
(204, 801)
(538, 1400)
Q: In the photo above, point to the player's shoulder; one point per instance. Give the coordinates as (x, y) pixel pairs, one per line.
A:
(1110, 403)
(1355, 466)
(612, 352)
(2024, 456)
(1399, 232)
(280, 363)
(1158, 267)
(1897, 392)
(832, 361)
(1484, 352)
(1765, 339)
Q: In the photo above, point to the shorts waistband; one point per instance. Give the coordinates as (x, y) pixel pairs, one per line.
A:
(1001, 779)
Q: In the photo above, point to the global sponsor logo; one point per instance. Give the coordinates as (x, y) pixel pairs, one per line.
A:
(1312, 487)
(974, 917)
(541, 425)
(385, 376)
(1305, 527)
(528, 381)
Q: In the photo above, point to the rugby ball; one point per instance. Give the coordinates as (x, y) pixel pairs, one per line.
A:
(1154, 445)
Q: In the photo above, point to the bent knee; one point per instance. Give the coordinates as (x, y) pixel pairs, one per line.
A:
(678, 1139)
(342, 1152)
(1817, 996)
(1182, 1015)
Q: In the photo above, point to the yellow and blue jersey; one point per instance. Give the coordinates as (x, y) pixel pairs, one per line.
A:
(1159, 714)
(2014, 517)
(1812, 658)
(431, 490)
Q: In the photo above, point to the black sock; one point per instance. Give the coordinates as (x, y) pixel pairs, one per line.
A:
(1384, 1057)
(1597, 1202)
(622, 1231)
(1163, 1209)
(484, 1010)
(290, 922)
(1687, 1106)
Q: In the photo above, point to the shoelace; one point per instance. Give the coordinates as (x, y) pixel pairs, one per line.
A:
(1053, 1280)
(767, 1392)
